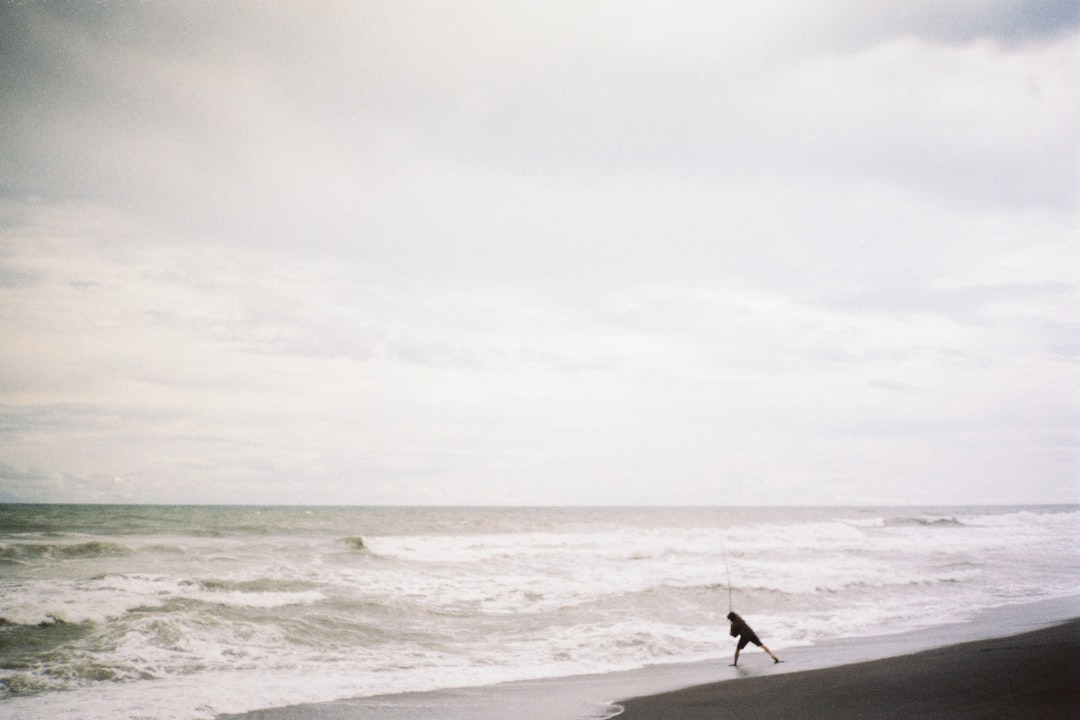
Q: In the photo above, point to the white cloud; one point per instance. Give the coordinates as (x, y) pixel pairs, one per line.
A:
(538, 254)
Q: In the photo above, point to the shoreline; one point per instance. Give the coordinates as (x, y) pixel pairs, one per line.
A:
(595, 697)
(1031, 675)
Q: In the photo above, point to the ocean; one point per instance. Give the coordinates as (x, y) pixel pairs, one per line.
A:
(188, 612)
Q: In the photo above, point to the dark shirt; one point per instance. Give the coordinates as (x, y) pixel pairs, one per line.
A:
(741, 630)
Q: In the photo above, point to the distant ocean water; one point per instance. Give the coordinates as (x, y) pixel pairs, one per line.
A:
(185, 612)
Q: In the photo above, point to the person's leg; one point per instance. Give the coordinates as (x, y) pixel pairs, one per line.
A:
(743, 640)
(774, 658)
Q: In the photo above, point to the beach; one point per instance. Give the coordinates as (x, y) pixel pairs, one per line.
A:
(1032, 675)
(1023, 664)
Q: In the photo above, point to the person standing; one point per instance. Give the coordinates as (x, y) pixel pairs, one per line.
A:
(741, 630)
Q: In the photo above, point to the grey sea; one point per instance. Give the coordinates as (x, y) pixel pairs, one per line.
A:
(191, 612)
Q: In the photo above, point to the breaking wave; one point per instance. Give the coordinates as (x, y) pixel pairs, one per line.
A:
(21, 552)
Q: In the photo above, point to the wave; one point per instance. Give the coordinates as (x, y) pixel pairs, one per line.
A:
(924, 521)
(265, 600)
(7, 625)
(355, 542)
(48, 615)
(264, 593)
(26, 552)
(1066, 517)
(107, 598)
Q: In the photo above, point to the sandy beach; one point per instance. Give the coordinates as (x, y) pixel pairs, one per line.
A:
(1032, 675)
(1013, 662)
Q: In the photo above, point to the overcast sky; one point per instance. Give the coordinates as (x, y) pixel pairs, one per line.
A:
(798, 252)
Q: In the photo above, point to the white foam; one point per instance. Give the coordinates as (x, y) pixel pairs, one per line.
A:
(46, 601)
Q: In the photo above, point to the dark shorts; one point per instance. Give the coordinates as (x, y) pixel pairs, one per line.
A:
(748, 637)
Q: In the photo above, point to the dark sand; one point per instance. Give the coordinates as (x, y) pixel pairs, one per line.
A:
(1034, 675)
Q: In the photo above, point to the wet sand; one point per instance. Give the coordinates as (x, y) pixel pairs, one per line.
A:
(1032, 675)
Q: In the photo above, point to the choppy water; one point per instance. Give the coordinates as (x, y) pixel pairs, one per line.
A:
(184, 612)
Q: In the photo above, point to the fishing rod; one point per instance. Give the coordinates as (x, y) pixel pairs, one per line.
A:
(727, 571)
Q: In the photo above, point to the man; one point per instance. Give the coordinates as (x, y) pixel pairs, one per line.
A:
(741, 630)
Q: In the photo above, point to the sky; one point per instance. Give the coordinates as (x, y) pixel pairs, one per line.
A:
(540, 253)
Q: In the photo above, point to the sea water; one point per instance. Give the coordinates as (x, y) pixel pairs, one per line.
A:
(187, 612)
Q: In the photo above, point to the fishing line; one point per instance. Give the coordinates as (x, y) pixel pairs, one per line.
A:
(727, 571)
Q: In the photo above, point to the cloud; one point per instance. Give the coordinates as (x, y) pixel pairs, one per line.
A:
(1010, 24)
(325, 119)
(538, 253)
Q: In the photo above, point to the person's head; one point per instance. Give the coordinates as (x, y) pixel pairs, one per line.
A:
(731, 615)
